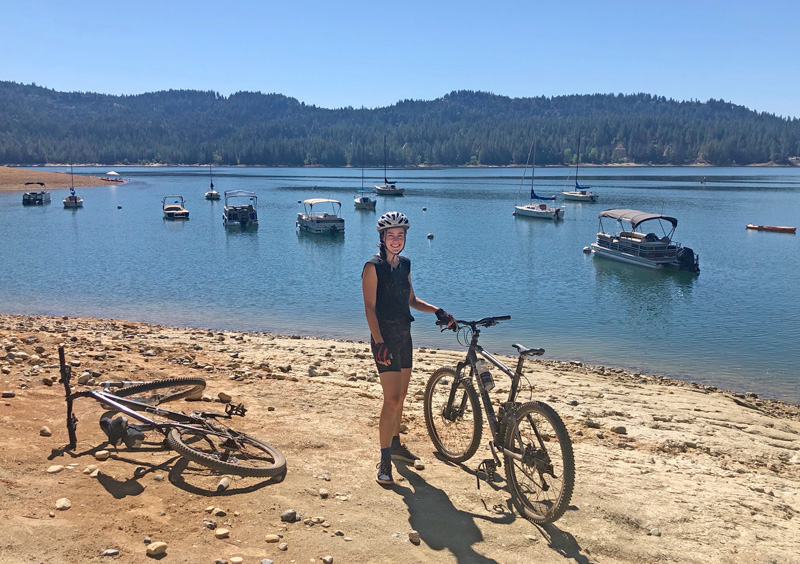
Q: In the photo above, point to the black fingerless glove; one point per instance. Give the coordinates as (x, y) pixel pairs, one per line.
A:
(382, 354)
(444, 318)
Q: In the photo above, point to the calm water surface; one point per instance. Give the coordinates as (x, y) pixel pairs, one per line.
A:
(735, 325)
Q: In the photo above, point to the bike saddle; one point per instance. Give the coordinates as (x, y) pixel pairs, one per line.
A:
(115, 429)
(525, 351)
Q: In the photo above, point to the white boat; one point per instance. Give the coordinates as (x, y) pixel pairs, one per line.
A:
(172, 207)
(363, 200)
(241, 215)
(388, 188)
(632, 245)
(326, 222)
(580, 193)
(536, 208)
(36, 198)
(211, 194)
(73, 200)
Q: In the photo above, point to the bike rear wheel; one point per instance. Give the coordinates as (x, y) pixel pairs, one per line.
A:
(162, 391)
(227, 451)
(540, 466)
(454, 427)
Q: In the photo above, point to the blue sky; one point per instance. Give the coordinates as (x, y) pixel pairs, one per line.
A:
(371, 54)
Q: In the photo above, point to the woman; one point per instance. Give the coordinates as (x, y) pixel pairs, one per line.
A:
(388, 297)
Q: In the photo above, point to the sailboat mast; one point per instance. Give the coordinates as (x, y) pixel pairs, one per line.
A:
(385, 180)
(578, 162)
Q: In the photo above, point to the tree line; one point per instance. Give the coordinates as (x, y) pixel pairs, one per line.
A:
(40, 125)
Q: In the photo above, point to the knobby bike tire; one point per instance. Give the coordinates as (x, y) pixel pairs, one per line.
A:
(234, 453)
(456, 440)
(541, 491)
(170, 389)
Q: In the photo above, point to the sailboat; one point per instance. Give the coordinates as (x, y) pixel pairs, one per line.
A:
(535, 208)
(211, 194)
(362, 201)
(580, 193)
(387, 188)
(73, 200)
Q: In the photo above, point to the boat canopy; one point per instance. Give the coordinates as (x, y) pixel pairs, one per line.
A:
(634, 217)
(240, 194)
(315, 201)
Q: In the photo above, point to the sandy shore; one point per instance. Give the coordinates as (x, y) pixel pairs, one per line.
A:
(14, 179)
(697, 476)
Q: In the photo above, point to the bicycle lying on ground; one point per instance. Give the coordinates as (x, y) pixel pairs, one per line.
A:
(534, 442)
(197, 436)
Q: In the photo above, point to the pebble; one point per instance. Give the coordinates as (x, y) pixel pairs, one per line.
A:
(8, 394)
(223, 484)
(102, 455)
(620, 430)
(224, 398)
(289, 516)
(222, 533)
(158, 477)
(237, 560)
(63, 504)
(419, 465)
(210, 525)
(654, 532)
(156, 549)
(110, 552)
(147, 540)
(338, 533)
(95, 473)
(217, 512)
(283, 546)
(531, 538)
(55, 469)
(45, 431)
(592, 424)
(272, 537)
(323, 493)
(266, 561)
(413, 536)
(327, 560)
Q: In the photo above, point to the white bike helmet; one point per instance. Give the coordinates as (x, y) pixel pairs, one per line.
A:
(392, 219)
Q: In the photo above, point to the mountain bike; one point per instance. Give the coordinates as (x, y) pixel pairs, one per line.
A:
(196, 436)
(530, 436)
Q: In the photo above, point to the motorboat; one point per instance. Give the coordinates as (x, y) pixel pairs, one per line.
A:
(634, 245)
(73, 200)
(773, 228)
(580, 193)
(536, 208)
(388, 188)
(312, 221)
(173, 207)
(36, 198)
(212, 194)
(113, 176)
(364, 202)
(237, 214)
(363, 199)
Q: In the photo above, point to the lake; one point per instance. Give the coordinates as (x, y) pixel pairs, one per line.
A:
(734, 325)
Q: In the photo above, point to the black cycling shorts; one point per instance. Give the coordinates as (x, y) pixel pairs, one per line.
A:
(397, 337)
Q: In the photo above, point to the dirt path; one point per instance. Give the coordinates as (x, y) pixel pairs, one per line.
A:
(699, 476)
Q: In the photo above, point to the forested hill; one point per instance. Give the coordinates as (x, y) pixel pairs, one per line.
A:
(39, 125)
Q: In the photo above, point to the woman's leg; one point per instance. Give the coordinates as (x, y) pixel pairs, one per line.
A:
(405, 379)
(392, 409)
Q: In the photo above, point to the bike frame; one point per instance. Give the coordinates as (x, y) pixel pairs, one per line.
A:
(496, 425)
(133, 409)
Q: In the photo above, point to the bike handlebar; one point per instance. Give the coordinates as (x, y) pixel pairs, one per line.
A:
(483, 322)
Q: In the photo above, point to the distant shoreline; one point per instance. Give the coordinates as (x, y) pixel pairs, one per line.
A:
(795, 162)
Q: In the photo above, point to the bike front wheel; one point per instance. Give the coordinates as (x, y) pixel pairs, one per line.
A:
(227, 451)
(540, 466)
(455, 426)
(162, 391)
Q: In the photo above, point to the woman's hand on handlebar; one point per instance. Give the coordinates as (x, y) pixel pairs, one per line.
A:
(445, 320)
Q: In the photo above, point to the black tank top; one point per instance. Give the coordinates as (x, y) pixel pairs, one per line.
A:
(394, 289)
